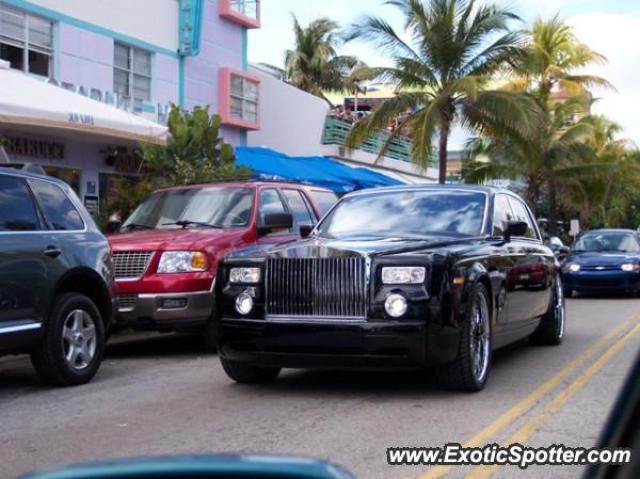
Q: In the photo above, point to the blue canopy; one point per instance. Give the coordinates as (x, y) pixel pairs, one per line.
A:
(317, 170)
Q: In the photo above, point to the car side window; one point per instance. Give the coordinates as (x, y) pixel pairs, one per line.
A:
(520, 213)
(17, 209)
(57, 207)
(270, 203)
(502, 214)
(299, 209)
(324, 199)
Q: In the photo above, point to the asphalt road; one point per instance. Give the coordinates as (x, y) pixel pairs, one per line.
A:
(165, 395)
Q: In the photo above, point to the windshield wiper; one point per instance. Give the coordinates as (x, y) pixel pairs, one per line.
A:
(185, 223)
(132, 226)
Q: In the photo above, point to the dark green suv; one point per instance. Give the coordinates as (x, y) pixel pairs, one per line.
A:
(57, 293)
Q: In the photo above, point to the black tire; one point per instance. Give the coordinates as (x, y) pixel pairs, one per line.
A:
(247, 373)
(568, 293)
(49, 359)
(461, 375)
(551, 329)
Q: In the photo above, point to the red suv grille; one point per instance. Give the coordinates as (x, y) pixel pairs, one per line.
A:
(131, 264)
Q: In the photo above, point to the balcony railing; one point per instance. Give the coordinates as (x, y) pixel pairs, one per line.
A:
(336, 131)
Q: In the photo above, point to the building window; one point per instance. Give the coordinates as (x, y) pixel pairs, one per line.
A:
(244, 99)
(26, 41)
(239, 99)
(244, 12)
(131, 72)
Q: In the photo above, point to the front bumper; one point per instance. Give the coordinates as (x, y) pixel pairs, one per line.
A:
(165, 311)
(335, 344)
(601, 280)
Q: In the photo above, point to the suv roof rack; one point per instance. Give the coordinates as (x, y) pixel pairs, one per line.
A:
(249, 180)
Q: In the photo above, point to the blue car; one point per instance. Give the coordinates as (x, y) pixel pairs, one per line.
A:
(606, 260)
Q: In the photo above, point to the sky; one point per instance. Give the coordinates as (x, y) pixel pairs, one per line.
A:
(611, 27)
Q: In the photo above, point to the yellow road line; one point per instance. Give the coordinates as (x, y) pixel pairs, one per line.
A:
(533, 424)
(526, 403)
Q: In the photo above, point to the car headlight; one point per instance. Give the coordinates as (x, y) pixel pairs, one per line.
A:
(395, 305)
(403, 275)
(244, 275)
(628, 267)
(182, 262)
(571, 267)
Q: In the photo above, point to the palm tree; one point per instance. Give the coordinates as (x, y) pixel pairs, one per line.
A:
(313, 65)
(558, 149)
(591, 194)
(546, 68)
(550, 60)
(443, 74)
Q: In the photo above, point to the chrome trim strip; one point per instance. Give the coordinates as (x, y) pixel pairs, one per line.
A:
(314, 319)
(19, 328)
(297, 320)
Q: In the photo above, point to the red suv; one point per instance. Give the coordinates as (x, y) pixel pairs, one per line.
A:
(168, 250)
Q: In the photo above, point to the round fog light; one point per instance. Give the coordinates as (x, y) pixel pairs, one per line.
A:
(395, 305)
(244, 304)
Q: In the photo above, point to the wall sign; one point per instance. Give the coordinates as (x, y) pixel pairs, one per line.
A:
(44, 150)
(92, 204)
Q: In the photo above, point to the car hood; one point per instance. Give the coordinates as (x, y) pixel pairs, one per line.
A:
(153, 240)
(595, 258)
(317, 247)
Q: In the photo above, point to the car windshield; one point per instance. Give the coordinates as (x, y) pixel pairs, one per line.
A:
(218, 207)
(407, 214)
(608, 241)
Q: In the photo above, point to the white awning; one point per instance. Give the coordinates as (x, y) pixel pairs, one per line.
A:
(26, 101)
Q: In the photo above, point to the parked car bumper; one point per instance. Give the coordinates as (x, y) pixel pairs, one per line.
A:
(165, 311)
(299, 343)
(601, 281)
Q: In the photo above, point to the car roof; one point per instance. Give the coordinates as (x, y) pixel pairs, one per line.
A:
(248, 184)
(27, 174)
(611, 230)
(432, 186)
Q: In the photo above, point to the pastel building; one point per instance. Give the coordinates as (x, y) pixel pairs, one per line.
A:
(137, 55)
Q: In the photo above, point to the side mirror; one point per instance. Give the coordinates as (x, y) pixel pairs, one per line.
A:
(305, 230)
(515, 228)
(275, 221)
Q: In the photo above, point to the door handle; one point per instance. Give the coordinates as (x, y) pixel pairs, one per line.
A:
(52, 252)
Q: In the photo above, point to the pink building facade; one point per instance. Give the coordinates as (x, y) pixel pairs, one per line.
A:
(142, 56)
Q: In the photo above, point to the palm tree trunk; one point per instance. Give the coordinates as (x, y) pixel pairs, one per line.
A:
(442, 151)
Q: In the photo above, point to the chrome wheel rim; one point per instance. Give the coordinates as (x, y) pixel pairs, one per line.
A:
(78, 339)
(559, 310)
(480, 337)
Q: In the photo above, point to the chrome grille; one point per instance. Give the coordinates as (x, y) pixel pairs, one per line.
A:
(316, 287)
(131, 264)
(127, 302)
(600, 268)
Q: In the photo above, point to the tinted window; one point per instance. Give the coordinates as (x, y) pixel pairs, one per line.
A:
(17, 211)
(224, 207)
(270, 203)
(501, 214)
(520, 213)
(58, 209)
(608, 241)
(407, 214)
(299, 209)
(324, 200)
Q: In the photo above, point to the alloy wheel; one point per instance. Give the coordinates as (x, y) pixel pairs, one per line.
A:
(79, 339)
(480, 337)
(559, 309)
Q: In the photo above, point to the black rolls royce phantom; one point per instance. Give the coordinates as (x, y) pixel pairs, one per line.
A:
(393, 278)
